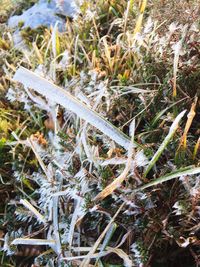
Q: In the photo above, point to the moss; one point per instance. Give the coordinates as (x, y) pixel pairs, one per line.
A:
(20, 24)
(29, 35)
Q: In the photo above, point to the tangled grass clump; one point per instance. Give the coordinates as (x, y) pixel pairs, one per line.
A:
(78, 197)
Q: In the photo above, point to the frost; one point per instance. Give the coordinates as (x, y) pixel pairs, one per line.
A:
(65, 61)
(8, 238)
(140, 160)
(90, 15)
(60, 96)
(179, 208)
(137, 254)
(132, 128)
(13, 95)
(149, 25)
(173, 27)
(45, 13)
(192, 186)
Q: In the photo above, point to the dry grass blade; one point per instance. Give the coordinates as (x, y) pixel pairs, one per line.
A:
(94, 256)
(190, 117)
(117, 182)
(127, 261)
(75, 54)
(107, 238)
(55, 41)
(38, 54)
(86, 262)
(109, 250)
(39, 158)
(129, 7)
(140, 17)
(60, 96)
(107, 52)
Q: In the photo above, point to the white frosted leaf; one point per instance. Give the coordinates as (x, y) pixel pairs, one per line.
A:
(65, 99)
(31, 241)
(132, 128)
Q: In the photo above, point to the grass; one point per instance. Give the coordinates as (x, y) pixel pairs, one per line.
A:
(74, 189)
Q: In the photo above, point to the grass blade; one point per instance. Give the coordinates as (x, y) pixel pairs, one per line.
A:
(191, 170)
(190, 117)
(196, 148)
(85, 263)
(162, 112)
(29, 206)
(65, 99)
(107, 239)
(128, 9)
(177, 51)
(32, 241)
(172, 131)
(140, 17)
(119, 180)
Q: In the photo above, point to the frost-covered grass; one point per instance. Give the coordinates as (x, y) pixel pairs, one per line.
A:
(100, 141)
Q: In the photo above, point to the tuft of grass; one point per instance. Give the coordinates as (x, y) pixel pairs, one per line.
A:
(76, 188)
